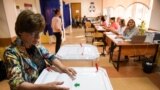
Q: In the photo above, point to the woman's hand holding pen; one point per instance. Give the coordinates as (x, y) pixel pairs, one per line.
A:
(70, 71)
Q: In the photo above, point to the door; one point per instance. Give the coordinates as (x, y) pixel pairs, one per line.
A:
(76, 10)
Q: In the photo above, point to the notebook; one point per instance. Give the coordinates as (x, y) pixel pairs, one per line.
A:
(138, 38)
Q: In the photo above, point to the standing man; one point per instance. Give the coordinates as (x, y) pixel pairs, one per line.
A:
(57, 28)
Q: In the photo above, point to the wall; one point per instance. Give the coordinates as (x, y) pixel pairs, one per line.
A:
(125, 3)
(154, 22)
(85, 7)
(4, 29)
(8, 18)
(35, 4)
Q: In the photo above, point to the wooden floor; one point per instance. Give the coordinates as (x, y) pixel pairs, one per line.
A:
(129, 77)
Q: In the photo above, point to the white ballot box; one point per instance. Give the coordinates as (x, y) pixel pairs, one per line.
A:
(76, 54)
(87, 78)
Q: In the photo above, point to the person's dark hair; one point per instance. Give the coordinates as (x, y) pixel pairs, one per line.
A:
(112, 18)
(56, 11)
(103, 18)
(29, 22)
(122, 21)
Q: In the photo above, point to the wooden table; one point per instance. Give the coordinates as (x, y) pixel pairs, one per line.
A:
(131, 49)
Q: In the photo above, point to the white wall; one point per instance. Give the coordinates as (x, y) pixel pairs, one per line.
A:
(9, 7)
(85, 7)
(9, 14)
(35, 4)
(4, 29)
(125, 3)
(155, 15)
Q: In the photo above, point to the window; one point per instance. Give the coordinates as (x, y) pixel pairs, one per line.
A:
(120, 12)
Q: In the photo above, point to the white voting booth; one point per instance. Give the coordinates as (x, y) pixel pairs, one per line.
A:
(87, 78)
(78, 55)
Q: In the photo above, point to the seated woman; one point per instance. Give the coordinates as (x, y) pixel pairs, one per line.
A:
(119, 32)
(98, 18)
(130, 30)
(25, 58)
(121, 28)
(84, 19)
(78, 21)
(104, 22)
(113, 25)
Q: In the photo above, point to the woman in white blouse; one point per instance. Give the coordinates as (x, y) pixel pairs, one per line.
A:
(122, 27)
(57, 28)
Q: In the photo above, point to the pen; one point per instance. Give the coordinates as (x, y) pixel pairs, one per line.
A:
(97, 67)
(81, 44)
(82, 49)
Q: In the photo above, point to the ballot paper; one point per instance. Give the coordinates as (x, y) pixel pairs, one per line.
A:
(87, 78)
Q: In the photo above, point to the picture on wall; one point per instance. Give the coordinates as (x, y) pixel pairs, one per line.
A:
(27, 6)
(92, 7)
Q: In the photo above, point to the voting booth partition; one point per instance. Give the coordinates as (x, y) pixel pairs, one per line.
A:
(66, 15)
(87, 78)
(47, 8)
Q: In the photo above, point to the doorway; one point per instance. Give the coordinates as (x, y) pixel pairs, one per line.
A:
(76, 14)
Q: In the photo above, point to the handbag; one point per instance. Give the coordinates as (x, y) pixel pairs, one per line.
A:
(3, 74)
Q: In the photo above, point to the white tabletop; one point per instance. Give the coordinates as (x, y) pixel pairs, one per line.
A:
(87, 78)
(78, 52)
(100, 28)
(113, 37)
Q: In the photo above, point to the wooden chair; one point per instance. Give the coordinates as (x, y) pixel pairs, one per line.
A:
(98, 41)
(89, 30)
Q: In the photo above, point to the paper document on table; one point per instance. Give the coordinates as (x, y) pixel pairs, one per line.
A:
(118, 39)
(100, 28)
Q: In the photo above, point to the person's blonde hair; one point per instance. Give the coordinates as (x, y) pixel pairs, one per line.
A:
(133, 22)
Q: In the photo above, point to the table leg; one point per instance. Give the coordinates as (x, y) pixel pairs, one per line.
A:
(156, 51)
(111, 50)
(119, 57)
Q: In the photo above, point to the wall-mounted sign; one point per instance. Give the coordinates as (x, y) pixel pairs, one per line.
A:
(92, 7)
(28, 6)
